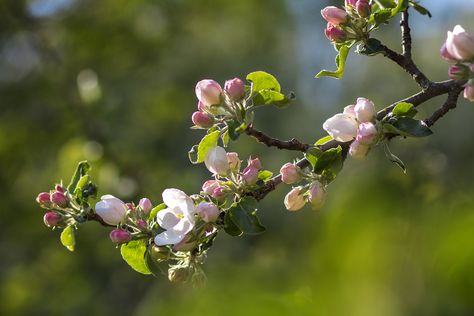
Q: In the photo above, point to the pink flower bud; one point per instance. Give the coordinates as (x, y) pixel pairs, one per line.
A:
(460, 44)
(317, 195)
(142, 225)
(234, 161)
(216, 161)
(145, 205)
(120, 236)
(209, 212)
(365, 110)
(294, 200)
(459, 72)
(366, 133)
(255, 163)
(349, 110)
(350, 3)
(250, 175)
(59, 188)
(218, 193)
(334, 15)
(202, 119)
(235, 89)
(201, 107)
(208, 92)
(363, 8)
(335, 34)
(52, 219)
(290, 173)
(469, 92)
(358, 151)
(44, 199)
(209, 186)
(59, 199)
(446, 55)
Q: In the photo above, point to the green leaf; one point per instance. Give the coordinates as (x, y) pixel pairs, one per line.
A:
(208, 142)
(68, 238)
(233, 129)
(244, 216)
(230, 227)
(330, 160)
(82, 169)
(386, 3)
(394, 158)
(422, 10)
(380, 16)
(263, 81)
(323, 140)
(340, 63)
(265, 175)
(371, 48)
(406, 126)
(134, 254)
(401, 6)
(404, 109)
(155, 210)
(225, 138)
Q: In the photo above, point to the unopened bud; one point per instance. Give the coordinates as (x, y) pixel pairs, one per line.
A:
(209, 186)
(469, 92)
(209, 212)
(202, 119)
(460, 44)
(159, 253)
(120, 236)
(250, 175)
(142, 225)
(59, 199)
(446, 55)
(145, 205)
(317, 195)
(290, 173)
(363, 8)
(208, 92)
(218, 193)
(52, 219)
(366, 133)
(235, 89)
(335, 34)
(44, 199)
(365, 110)
(294, 200)
(178, 274)
(334, 15)
(459, 72)
(358, 151)
(59, 188)
(216, 161)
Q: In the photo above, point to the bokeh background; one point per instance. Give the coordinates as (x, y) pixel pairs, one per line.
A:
(112, 81)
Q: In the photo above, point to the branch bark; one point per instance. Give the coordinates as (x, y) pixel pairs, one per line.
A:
(262, 138)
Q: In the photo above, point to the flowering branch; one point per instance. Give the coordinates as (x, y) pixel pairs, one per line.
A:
(292, 144)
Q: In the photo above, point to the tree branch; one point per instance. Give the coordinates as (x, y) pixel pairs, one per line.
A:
(292, 144)
(406, 35)
(449, 104)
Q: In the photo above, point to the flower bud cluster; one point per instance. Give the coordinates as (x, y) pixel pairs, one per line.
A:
(357, 124)
(347, 24)
(216, 103)
(313, 193)
(56, 202)
(458, 49)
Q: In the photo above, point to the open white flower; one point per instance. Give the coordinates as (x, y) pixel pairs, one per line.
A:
(111, 209)
(216, 161)
(177, 220)
(342, 127)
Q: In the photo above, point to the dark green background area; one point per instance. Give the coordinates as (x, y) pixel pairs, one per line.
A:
(385, 244)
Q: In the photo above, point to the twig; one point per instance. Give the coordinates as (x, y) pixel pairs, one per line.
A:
(448, 105)
(292, 144)
(406, 35)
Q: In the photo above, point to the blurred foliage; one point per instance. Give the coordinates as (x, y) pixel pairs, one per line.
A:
(112, 81)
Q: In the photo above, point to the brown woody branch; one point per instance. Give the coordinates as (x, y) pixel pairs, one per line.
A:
(292, 144)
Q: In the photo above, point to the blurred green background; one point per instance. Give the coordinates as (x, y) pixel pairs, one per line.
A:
(112, 81)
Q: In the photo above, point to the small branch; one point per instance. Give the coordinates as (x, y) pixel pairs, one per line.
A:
(448, 105)
(97, 218)
(406, 35)
(292, 144)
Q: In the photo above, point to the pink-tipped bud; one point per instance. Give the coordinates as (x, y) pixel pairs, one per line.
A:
(335, 34)
(59, 199)
(218, 193)
(235, 89)
(209, 186)
(365, 110)
(459, 72)
(317, 195)
(44, 199)
(363, 8)
(366, 133)
(234, 161)
(202, 119)
(290, 173)
(145, 204)
(255, 163)
(250, 173)
(59, 188)
(358, 151)
(349, 3)
(52, 219)
(469, 92)
(200, 106)
(209, 212)
(295, 200)
(142, 225)
(334, 15)
(216, 161)
(208, 92)
(446, 55)
(460, 44)
(130, 206)
(120, 236)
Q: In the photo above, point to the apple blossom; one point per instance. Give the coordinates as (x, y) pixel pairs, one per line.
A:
(209, 186)
(350, 3)
(290, 173)
(365, 110)
(358, 150)
(111, 209)
(59, 199)
(334, 15)
(295, 199)
(363, 8)
(469, 92)
(145, 204)
(216, 161)
(342, 127)
(334, 34)
(366, 133)
(235, 89)
(177, 219)
(459, 72)
(208, 92)
(317, 195)
(209, 212)
(460, 44)
(120, 236)
(52, 219)
(202, 119)
(250, 173)
(234, 161)
(43, 199)
(349, 110)
(446, 55)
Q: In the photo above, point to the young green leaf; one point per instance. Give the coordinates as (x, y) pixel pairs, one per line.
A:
(422, 10)
(263, 81)
(406, 126)
(330, 160)
(68, 238)
(155, 210)
(404, 109)
(230, 227)
(340, 63)
(394, 158)
(244, 216)
(208, 142)
(133, 253)
(265, 175)
(82, 169)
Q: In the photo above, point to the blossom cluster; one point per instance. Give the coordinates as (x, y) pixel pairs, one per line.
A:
(458, 50)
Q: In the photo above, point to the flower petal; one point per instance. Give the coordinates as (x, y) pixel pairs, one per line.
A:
(168, 237)
(167, 218)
